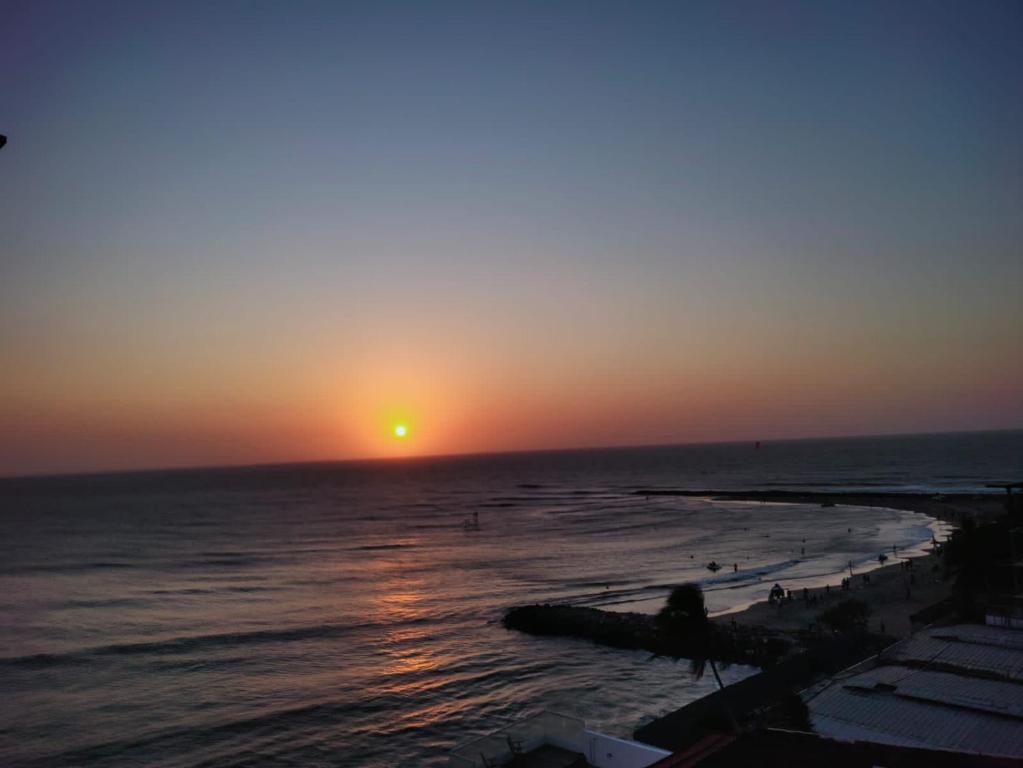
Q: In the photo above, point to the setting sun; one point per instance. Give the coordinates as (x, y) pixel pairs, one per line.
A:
(400, 431)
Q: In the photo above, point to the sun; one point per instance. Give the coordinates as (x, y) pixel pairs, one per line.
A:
(400, 431)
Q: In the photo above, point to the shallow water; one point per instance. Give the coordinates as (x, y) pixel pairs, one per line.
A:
(341, 614)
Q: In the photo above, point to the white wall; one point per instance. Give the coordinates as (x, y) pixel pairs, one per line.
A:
(1000, 620)
(608, 752)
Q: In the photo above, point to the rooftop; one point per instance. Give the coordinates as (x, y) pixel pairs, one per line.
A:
(954, 688)
(967, 649)
(791, 749)
(548, 756)
(550, 740)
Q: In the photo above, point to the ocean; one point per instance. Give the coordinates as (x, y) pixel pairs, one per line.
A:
(340, 614)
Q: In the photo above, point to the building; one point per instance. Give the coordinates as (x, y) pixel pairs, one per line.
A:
(550, 740)
(957, 688)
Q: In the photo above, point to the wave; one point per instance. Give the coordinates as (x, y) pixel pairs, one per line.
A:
(65, 568)
(181, 645)
(848, 486)
(114, 602)
(177, 739)
(234, 561)
(213, 590)
(743, 578)
(748, 575)
(620, 528)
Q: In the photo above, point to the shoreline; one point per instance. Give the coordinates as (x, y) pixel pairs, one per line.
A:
(943, 514)
(912, 585)
(940, 531)
(949, 508)
(894, 592)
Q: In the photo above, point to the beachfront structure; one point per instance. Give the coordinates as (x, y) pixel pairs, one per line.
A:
(794, 749)
(1005, 612)
(954, 688)
(550, 740)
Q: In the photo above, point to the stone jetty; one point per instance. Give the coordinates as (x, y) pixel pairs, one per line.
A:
(731, 645)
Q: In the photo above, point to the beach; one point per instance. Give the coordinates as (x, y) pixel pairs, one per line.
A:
(904, 589)
(893, 592)
(896, 591)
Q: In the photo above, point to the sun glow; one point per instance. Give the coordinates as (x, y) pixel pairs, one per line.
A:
(400, 431)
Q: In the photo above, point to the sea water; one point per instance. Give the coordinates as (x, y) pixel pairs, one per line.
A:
(342, 613)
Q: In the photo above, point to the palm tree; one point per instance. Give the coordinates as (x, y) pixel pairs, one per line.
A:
(684, 618)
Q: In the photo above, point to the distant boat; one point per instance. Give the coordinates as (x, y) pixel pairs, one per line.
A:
(473, 523)
(713, 566)
(758, 444)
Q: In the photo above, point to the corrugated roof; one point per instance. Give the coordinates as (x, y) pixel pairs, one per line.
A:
(962, 651)
(943, 688)
(844, 714)
(804, 750)
(978, 633)
(949, 707)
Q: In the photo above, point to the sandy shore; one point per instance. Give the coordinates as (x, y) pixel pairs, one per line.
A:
(893, 592)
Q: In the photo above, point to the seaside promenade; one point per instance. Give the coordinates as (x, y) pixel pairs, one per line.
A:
(893, 688)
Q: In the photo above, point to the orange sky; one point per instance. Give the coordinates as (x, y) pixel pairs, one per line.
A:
(469, 391)
(270, 238)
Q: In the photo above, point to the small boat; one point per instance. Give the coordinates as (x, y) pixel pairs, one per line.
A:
(472, 524)
(713, 566)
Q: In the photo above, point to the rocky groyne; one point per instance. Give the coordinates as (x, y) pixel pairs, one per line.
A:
(729, 645)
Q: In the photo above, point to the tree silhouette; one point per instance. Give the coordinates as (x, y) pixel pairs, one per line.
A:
(684, 619)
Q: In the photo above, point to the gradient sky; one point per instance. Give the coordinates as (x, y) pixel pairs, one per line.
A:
(245, 232)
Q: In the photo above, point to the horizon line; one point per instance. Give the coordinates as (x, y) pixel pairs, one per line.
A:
(475, 454)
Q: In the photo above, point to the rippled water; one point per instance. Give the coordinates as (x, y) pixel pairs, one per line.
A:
(340, 614)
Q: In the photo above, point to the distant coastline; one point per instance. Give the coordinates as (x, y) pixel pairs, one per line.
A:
(370, 461)
(950, 507)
